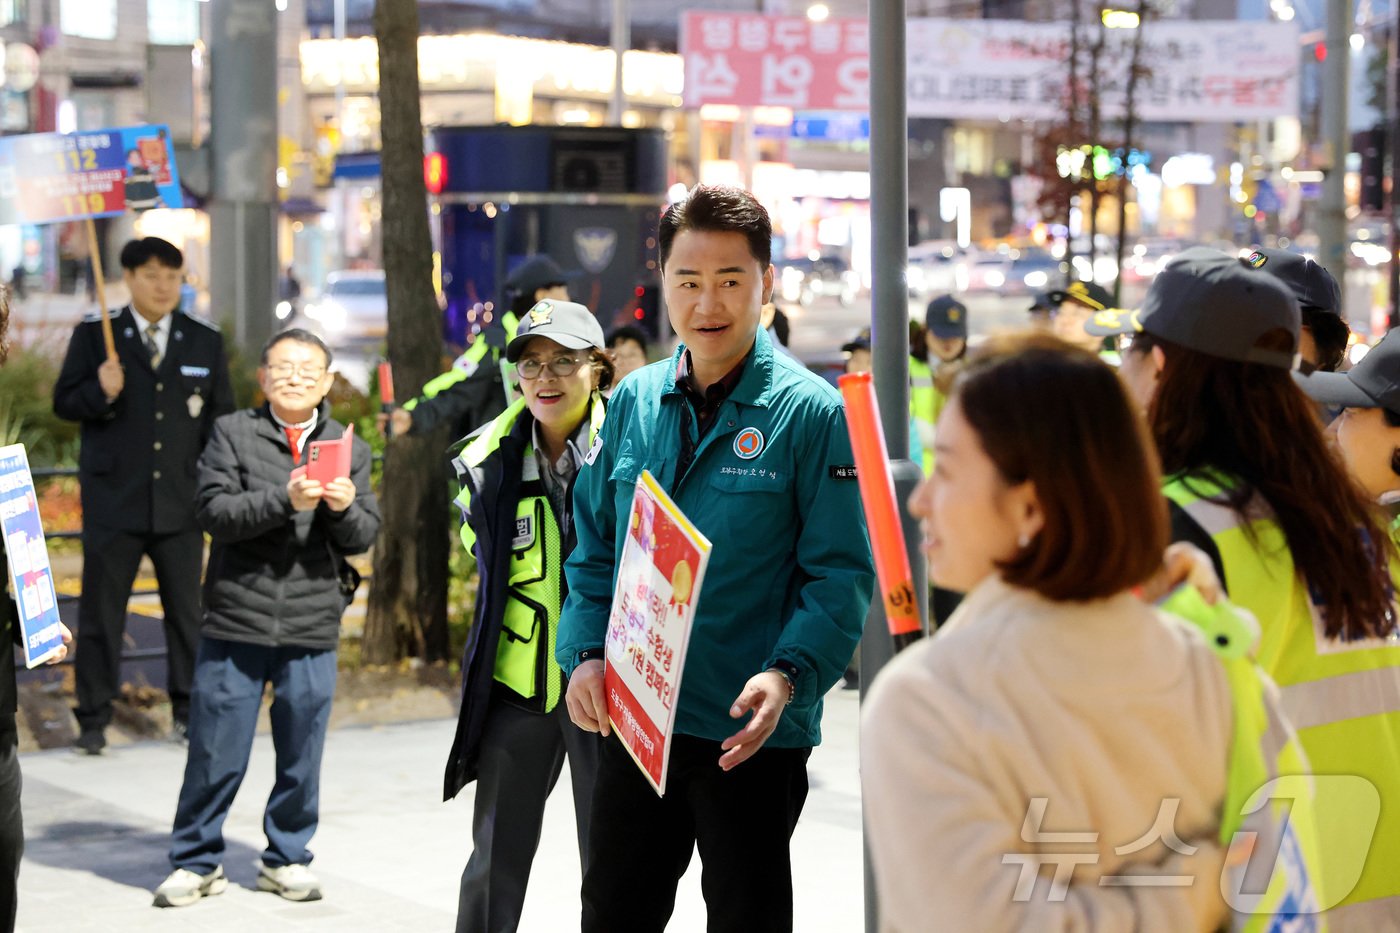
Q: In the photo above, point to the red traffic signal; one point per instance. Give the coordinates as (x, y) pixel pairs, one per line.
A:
(435, 172)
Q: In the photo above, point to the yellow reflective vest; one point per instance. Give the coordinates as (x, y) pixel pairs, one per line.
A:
(1343, 698)
(925, 405)
(463, 366)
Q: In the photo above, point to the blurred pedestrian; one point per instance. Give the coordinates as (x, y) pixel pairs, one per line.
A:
(146, 415)
(11, 817)
(474, 390)
(774, 321)
(1041, 312)
(1072, 308)
(627, 348)
(1253, 482)
(277, 586)
(1053, 686)
(945, 332)
(513, 733)
(753, 448)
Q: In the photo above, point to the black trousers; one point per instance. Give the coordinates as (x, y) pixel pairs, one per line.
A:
(110, 561)
(522, 754)
(741, 821)
(11, 833)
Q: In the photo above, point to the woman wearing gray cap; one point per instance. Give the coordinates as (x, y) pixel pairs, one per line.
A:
(513, 732)
(1252, 480)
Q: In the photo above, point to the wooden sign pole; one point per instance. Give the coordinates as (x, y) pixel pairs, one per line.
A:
(95, 256)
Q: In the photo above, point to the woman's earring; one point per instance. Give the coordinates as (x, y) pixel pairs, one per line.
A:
(1024, 541)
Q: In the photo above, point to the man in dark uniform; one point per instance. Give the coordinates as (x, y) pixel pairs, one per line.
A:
(145, 418)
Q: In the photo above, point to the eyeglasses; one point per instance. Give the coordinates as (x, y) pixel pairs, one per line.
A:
(284, 372)
(561, 366)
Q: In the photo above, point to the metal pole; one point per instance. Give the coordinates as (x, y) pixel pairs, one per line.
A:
(889, 228)
(1392, 162)
(243, 142)
(621, 39)
(1332, 217)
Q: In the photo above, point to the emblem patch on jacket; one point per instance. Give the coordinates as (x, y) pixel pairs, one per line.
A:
(748, 443)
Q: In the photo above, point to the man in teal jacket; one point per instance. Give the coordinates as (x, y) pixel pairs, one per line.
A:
(754, 449)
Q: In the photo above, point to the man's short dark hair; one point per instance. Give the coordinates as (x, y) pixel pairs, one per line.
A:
(136, 253)
(627, 332)
(720, 209)
(300, 336)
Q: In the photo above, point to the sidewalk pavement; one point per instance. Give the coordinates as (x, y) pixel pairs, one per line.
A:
(389, 852)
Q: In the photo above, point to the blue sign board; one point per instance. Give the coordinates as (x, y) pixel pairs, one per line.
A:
(830, 126)
(28, 571)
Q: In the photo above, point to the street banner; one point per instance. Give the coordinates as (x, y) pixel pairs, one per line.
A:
(30, 577)
(754, 60)
(52, 177)
(1002, 70)
(658, 587)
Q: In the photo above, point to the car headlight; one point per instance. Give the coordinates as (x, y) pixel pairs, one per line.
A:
(915, 277)
(994, 279)
(1037, 279)
(332, 315)
(284, 310)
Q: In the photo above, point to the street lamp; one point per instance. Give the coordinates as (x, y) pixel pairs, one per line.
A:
(818, 12)
(1120, 19)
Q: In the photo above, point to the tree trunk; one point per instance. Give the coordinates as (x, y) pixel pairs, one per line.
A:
(408, 598)
(1095, 119)
(1135, 73)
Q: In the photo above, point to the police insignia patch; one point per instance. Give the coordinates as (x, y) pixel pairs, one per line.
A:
(1256, 260)
(541, 313)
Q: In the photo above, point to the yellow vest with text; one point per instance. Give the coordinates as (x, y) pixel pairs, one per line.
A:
(525, 652)
(925, 405)
(1343, 698)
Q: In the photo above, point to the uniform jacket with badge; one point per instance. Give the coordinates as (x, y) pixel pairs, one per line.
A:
(790, 574)
(498, 472)
(139, 453)
(274, 574)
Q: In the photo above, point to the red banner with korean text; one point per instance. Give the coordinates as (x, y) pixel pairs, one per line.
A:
(658, 587)
(752, 60)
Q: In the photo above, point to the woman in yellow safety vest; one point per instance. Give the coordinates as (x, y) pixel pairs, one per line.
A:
(513, 733)
(1025, 767)
(1252, 480)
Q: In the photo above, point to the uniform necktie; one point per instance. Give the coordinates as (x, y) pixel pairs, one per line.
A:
(151, 331)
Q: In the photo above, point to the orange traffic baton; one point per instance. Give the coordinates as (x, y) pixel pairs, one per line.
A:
(881, 511)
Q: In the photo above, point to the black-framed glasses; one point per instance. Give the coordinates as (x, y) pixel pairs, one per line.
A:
(561, 366)
(283, 372)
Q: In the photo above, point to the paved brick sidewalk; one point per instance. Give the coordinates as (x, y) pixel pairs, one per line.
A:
(389, 852)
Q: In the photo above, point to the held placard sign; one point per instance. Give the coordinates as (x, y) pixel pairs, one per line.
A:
(30, 577)
(658, 588)
(51, 177)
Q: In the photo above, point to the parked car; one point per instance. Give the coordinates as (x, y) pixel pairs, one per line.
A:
(807, 278)
(936, 268)
(353, 306)
(1033, 271)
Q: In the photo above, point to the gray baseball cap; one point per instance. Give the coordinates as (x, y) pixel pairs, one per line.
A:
(1213, 303)
(566, 323)
(1372, 383)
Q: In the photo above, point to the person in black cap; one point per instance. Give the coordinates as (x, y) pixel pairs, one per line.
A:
(1323, 339)
(513, 733)
(1368, 429)
(1072, 307)
(1042, 310)
(473, 390)
(1252, 481)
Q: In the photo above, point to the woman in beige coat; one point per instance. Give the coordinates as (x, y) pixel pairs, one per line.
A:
(1056, 758)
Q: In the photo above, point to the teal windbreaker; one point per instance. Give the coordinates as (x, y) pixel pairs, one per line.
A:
(790, 574)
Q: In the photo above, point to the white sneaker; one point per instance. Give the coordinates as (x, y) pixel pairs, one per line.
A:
(184, 887)
(294, 882)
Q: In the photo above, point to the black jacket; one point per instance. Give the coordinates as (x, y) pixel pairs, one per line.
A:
(274, 573)
(9, 638)
(465, 405)
(495, 486)
(137, 462)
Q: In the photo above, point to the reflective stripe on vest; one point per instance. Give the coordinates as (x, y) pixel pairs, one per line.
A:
(925, 404)
(1342, 697)
(465, 365)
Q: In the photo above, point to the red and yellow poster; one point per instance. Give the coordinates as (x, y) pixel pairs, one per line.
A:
(658, 588)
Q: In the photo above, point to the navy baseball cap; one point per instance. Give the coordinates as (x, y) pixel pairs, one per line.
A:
(1312, 285)
(860, 341)
(566, 323)
(1372, 383)
(946, 318)
(537, 271)
(1213, 303)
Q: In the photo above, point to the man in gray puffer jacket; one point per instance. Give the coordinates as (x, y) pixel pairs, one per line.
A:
(274, 591)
